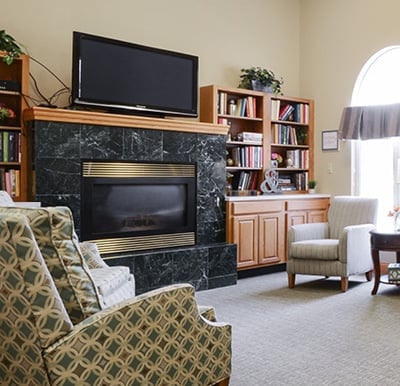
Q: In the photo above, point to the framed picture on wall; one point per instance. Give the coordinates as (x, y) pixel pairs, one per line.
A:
(330, 140)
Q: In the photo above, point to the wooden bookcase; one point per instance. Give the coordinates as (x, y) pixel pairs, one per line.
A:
(291, 123)
(245, 112)
(13, 135)
(258, 225)
(256, 134)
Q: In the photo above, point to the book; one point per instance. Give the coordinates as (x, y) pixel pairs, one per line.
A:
(285, 112)
(5, 146)
(11, 146)
(252, 137)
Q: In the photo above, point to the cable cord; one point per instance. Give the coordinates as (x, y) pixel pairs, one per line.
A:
(49, 101)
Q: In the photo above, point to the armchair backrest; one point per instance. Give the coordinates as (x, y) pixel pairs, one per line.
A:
(32, 314)
(53, 229)
(350, 210)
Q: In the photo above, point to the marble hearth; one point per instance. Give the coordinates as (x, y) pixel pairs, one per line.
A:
(63, 137)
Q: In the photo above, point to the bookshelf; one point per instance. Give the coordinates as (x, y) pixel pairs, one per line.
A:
(260, 125)
(292, 138)
(244, 111)
(14, 84)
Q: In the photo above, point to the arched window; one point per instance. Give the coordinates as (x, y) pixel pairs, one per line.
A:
(375, 161)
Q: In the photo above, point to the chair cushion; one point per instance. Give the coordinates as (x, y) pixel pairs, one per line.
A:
(114, 284)
(5, 199)
(53, 229)
(323, 249)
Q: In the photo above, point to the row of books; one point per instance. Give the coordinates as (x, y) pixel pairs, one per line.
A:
(10, 146)
(286, 135)
(247, 156)
(295, 112)
(245, 180)
(240, 107)
(10, 180)
(288, 183)
(300, 159)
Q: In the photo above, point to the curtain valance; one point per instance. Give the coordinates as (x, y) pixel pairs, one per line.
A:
(370, 122)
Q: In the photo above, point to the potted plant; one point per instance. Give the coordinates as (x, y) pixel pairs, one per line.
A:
(301, 137)
(6, 112)
(311, 186)
(9, 45)
(260, 79)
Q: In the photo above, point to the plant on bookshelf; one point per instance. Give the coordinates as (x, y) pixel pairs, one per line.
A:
(6, 112)
(260, 79)
(10, 46)
(311, 186)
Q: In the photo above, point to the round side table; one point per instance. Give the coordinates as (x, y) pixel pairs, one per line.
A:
(383, 241)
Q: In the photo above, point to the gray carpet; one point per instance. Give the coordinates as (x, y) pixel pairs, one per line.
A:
(310, 335)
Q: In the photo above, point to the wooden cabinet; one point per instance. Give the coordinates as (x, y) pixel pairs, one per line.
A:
(258, 230)
(263, 125)
(259, 226)
(14, 84)
(245, 236)
(307, 211)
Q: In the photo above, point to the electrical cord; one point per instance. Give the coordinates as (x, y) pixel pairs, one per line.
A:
(49, 101)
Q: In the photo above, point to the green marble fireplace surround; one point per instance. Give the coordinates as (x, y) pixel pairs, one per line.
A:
(62, 138)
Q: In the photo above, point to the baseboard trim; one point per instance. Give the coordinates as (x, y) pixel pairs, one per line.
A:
(262, 270)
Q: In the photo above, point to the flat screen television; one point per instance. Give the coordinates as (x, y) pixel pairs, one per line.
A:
(123, 77)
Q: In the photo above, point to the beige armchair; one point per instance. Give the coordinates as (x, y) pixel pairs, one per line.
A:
(55, 330)
(339, 247)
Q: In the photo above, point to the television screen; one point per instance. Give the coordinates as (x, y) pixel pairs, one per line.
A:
(125, 77)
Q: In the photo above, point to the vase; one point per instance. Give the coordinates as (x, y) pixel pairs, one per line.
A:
(256, 85)
(396, 219)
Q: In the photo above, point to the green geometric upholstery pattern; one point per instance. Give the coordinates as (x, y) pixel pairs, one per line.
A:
(53, 228)
(157, 338)
(32, 314)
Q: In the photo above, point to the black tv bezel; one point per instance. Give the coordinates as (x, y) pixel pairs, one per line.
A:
(138, 109)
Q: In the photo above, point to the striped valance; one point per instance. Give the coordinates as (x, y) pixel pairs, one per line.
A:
(370, 122)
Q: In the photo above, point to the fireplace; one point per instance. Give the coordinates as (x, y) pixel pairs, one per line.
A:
(131, 206)
(63, 138)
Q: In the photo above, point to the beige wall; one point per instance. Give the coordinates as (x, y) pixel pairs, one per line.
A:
(337, 38)
(227, 35)
(318, 46)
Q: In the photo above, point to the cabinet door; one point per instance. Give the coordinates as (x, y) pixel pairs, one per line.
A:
(298, 217)
(317, 216)
(271, 238)
(245, 235)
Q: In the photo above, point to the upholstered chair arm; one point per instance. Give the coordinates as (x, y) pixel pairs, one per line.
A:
(91, 255)
(355, 246)
(155, 338)
(311, 231)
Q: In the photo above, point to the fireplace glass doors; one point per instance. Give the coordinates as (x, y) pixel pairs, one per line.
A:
(129, 206)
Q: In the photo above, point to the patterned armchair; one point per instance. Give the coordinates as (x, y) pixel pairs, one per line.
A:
(339, 247)
(53, 330)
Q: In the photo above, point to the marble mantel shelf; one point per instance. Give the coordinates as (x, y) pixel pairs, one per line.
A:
(106, 119)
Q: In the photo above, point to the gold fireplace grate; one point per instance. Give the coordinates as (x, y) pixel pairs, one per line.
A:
(136, 169)
(139, 243)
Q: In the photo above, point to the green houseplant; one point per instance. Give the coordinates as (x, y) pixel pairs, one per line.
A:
(260, 79)
(311, 186)
(9, 45)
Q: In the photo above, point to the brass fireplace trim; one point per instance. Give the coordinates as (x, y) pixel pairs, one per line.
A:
(136, 169)
(139, 243)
